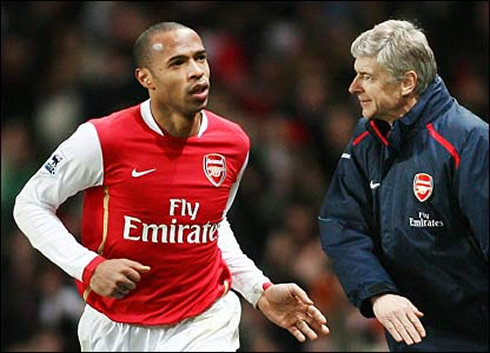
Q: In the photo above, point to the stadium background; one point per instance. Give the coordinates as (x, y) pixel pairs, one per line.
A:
(281, 69)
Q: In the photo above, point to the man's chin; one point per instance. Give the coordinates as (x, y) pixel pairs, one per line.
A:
(200, 105)
(196, 109)
(368, 114)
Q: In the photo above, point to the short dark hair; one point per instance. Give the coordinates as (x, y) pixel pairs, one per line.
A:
(141, 47)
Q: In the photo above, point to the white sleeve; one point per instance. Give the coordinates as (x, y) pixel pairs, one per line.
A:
(74, 166)
(247, 278)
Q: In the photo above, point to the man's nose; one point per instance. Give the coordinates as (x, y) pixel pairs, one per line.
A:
(354, 87)
(195, 69)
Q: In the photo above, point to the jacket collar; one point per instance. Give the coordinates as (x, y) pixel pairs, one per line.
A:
(432, 103)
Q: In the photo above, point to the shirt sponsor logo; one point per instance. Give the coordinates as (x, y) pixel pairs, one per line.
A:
(174, 232)
(424, 220)
(423, 185)
(54, 162)
(214, 166)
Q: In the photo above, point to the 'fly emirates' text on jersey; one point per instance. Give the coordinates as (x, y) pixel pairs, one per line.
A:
(158, 200)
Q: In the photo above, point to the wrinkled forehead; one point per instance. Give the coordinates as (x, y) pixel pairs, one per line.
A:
(366, 64)
(182, 41)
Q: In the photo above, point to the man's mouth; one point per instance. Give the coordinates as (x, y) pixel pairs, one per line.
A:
(199, 88)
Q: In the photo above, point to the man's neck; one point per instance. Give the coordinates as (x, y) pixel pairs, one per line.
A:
(404, 109)
(177, 125)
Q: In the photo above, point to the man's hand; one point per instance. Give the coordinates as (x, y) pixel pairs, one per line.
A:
(400, 317)
(289, 307)
(116, 278)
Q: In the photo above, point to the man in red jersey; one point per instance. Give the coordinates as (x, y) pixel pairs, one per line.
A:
(157, 256)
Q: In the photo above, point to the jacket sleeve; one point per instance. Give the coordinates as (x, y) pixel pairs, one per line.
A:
(471, 183)
(348, 238)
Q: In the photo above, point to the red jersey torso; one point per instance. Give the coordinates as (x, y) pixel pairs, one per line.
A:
(160, 204)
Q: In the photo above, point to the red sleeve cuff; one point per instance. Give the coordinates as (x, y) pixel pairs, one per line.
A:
(90, 268)
(266, 285)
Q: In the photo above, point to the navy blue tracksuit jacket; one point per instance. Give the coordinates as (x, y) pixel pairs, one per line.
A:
(407, 213)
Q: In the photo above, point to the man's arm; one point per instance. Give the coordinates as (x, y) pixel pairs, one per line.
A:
(287, 305)
(347, 240)
(472, 187)
(75, 165)
(347, 237)
(247, 279)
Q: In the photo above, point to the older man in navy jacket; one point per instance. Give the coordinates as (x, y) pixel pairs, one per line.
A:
(405, 220)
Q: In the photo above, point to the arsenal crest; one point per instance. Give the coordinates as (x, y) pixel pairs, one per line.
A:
(422, 186)
(214, 166)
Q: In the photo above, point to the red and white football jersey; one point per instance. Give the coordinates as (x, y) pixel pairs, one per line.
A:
(151, 198)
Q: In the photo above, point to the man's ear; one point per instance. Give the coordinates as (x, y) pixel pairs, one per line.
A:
(409, 83)
(143, 76)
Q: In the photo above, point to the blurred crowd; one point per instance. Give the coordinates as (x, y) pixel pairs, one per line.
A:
(281, 69)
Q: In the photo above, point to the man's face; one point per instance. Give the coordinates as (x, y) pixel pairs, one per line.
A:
(180, 71)
(379, 96)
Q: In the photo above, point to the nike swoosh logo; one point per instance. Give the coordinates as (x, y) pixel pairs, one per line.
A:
(136, 174)
(374, 185)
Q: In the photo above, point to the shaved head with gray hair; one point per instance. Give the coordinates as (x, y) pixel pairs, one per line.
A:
(399, 46)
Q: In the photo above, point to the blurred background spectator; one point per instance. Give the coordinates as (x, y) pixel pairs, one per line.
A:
(281, 69)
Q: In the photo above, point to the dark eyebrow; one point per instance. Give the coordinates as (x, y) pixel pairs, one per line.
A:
(176, 58)
(185, 57)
